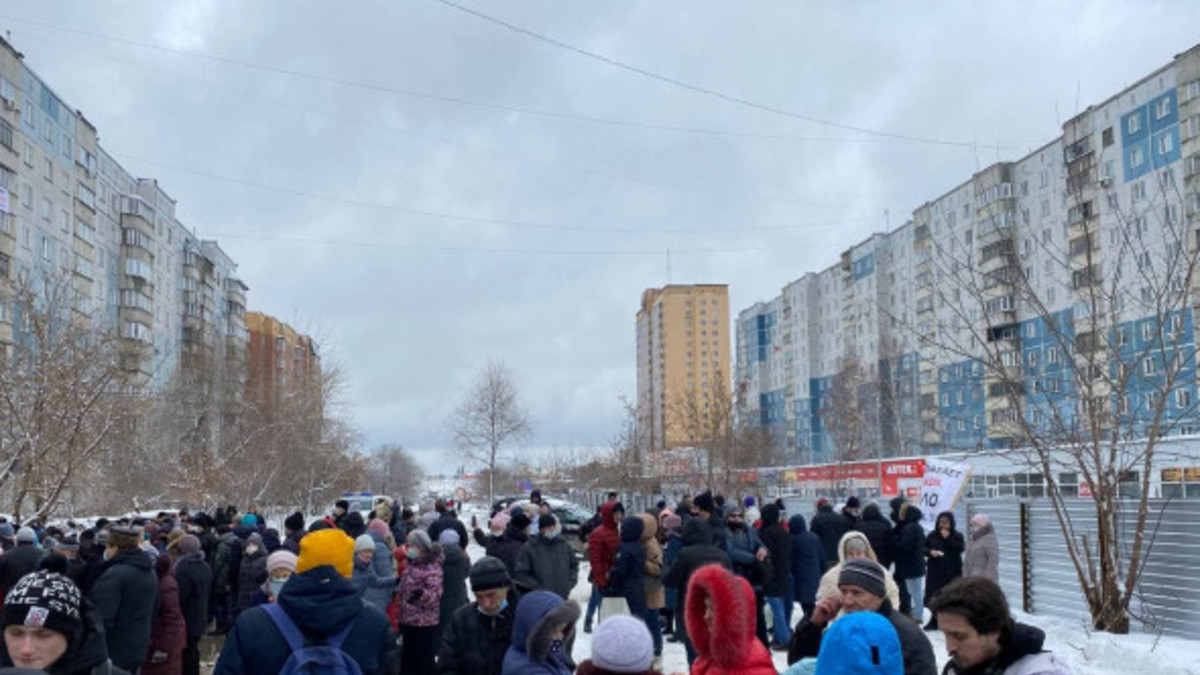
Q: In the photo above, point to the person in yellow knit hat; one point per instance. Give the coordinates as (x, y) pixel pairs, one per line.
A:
(317, 603)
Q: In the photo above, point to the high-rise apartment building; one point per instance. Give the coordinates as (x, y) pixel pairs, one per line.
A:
(279, 357)
(1034, 294)
(72, 217)
(682, 360)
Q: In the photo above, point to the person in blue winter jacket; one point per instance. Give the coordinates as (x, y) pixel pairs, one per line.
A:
(808, 564)
(322, 602)
(626, 575)
(862, 643)
(539, 636)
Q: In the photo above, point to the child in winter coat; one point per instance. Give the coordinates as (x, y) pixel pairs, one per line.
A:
(621, 644)
(420, 596)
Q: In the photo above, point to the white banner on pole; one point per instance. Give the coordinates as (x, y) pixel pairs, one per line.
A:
(944, 483)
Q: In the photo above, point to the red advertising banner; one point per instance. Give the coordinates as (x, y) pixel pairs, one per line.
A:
(901, 474)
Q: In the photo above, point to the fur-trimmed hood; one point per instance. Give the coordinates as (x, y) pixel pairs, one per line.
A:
(854, 534)
(538, 613)
(730, 646)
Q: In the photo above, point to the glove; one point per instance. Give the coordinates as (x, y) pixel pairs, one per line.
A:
(415, 596)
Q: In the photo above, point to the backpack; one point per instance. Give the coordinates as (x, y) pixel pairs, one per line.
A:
(321, 659)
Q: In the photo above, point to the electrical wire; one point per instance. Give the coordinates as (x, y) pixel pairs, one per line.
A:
(731, 98)
(441, 98)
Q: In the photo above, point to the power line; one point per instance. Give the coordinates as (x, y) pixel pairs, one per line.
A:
(731, 98)
(707, 191)
(441, 98)
(484, 219)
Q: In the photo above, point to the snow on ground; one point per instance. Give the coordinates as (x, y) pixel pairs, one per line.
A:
(1087, 652)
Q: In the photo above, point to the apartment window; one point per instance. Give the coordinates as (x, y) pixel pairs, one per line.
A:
(945, 400)
(1183, 398)
(64, 221)
(47, 249)
(47, 209)
(6, 134)
(27, 195)
(1152, 399)
(1136, 156)
(1052, 355)
(1162, 108)
(1106, 137)
(27, 155)
(1166, 143)
(1031, 359)
(48, 169)
(1043, 179)
(1114, 202)
(1133, 124)
(1190, 90)
(1148, 331)
(1139, 191)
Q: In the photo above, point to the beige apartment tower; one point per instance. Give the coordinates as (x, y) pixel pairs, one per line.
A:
(683, 359)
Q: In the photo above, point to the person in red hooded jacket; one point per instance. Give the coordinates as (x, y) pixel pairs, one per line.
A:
(602, 549)
(721, 620)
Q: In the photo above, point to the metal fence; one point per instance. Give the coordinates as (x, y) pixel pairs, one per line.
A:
(1037, 575)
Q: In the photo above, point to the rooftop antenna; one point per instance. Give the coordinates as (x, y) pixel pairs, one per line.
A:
(668, 266)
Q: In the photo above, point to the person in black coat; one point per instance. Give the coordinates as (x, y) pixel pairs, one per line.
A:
(830, 527)
(195, 582)
(808, 564)
(626, 577)
(698, 550)
(868, 578)
(448, 519)
(125, 594)
(21, 560)
(776, 588)
(62, 609)
(478, 634)
(944, 547)
(878, 532)
(909, 556)
(509, 546)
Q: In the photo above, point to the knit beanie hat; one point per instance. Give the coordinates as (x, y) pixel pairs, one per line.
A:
(864, 573)
(704, 501)
(294, 522)
(448, 536)
(672, 522)
(379, 527)
(255, 539)
(860, 643)
(282, 559)
(188, 544)
(489, 572)
(622, 644)
(327, 547)
(748, 501)
(421, 539)
(364, 542)
(26, 534)
(68, 543)
(6, 530)
(45, 600)
(250, 520)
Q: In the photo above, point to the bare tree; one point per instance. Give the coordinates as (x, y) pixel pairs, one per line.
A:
(64, 398)
(1081, 392)
(394, 472)
(489, 417)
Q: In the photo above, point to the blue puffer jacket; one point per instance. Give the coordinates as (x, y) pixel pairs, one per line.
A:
(808, 561)
(322, 603)
(533, 650)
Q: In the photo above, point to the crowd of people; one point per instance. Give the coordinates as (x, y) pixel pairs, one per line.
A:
(388, 592)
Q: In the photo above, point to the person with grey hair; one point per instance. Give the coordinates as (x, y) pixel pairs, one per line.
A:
(983, 553)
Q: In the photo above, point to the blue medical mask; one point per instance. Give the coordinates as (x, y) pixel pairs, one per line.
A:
(412, 553)
(551, 534)
(276, 585)
(503, 606)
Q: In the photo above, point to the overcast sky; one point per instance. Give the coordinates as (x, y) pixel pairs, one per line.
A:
(325, 145)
